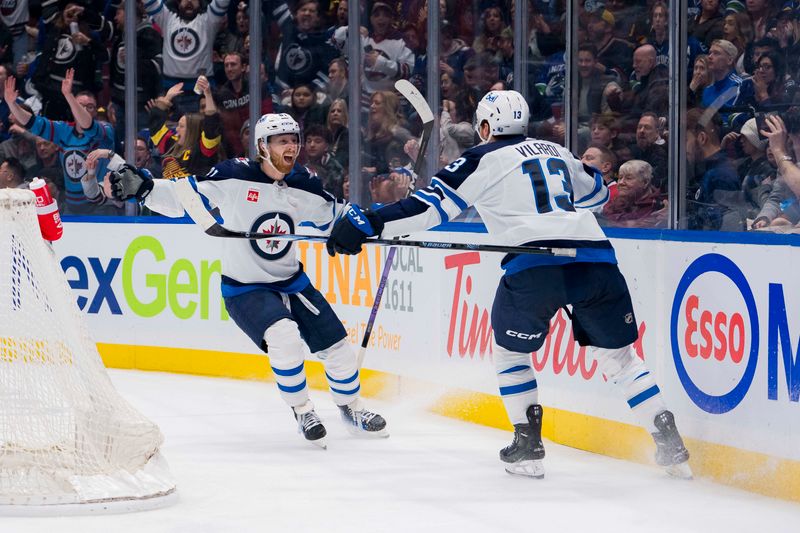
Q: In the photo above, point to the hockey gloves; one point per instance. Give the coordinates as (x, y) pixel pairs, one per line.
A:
(130, 182)
(352, 230)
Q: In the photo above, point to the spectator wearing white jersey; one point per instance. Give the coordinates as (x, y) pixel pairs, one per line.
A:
(188, 42)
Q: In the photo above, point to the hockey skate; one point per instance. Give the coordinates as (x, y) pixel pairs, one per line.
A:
(523, 457)
(360, 421)
(310, 425)
(670, 451)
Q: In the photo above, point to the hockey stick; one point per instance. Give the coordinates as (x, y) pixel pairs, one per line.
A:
(420, 105)
(193, 204)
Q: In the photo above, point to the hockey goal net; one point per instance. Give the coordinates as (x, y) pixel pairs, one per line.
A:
(68, 441)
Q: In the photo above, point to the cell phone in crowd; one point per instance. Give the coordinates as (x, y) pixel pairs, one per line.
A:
(761, 124)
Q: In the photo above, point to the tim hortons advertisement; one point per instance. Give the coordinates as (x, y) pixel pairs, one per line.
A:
(719, 330)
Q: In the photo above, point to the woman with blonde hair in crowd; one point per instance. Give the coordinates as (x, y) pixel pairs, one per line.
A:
(384, 135)
(196, 143)
(336, 123)
(701, 78)
(738, 29)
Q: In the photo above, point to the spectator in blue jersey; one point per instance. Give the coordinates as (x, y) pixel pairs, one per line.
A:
(75, 141)
(724, 88)
(82, 51)
(188, 43)
(305, 51)
(711, 174)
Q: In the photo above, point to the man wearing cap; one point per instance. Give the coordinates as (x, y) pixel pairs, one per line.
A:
(612, 53)
(755, 169)
(386, 56)
(724, 88)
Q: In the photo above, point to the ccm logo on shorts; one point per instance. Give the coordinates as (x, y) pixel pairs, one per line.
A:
(523, 336)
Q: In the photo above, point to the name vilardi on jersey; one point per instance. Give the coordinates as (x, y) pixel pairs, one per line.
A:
(534, 148)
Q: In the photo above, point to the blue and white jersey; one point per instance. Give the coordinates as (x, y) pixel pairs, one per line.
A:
(527, 191)
(74, 148)
(249, 200)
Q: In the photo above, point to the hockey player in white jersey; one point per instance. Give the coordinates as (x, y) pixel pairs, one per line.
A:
(265, 289)
(534, 193)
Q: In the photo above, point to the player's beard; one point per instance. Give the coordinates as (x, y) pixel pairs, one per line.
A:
(280, 164)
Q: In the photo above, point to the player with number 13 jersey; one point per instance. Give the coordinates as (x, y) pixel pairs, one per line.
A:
(534, 192)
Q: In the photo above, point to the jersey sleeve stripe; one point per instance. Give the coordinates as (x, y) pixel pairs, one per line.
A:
(596, 204)
(214, 212)
(450, 193)
(433, 201)
(598, 184)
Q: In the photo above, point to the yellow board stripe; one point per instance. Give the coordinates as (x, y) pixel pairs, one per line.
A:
(756, 472)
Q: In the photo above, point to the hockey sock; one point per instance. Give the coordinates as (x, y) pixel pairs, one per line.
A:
(629, 373)
(285, 350)
(341, 372)
(517, 382)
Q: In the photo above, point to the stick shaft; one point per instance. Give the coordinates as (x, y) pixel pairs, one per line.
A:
(376, 305)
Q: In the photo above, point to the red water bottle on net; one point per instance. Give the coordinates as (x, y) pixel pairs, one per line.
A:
(47, 211)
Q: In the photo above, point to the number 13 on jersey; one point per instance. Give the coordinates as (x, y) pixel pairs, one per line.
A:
(552, 185)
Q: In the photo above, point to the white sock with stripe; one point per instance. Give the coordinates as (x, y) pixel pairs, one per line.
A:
(517, 381)
(629, 373)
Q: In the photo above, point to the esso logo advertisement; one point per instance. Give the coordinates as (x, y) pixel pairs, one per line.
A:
(714, 333)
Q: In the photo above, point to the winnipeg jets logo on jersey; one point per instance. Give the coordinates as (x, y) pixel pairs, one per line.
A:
(75, 165)
(297, 58)
(65, 51)
(273, 222)
(185, 42)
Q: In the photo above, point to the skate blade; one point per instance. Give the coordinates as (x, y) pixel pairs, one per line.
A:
(680, 471)
(321, 443)
(532, 468)
(356, 432)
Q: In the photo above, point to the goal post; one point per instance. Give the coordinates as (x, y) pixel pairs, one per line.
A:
(69, 443)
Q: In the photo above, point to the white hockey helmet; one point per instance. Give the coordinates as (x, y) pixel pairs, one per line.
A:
(276, 124)
(506, 112)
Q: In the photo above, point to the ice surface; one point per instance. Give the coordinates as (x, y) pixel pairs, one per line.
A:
(241, 466)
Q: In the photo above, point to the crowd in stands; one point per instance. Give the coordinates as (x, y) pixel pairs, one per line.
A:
(62, 66)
